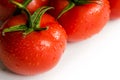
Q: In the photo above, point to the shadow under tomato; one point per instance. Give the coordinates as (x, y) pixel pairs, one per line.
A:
(4, 69)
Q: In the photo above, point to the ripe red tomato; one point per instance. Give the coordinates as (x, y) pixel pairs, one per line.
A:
(115, 9)
(38, 52)
(35, 4)
(6, 8)
(82, 21)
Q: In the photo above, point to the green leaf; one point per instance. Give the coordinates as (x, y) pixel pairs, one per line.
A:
(39, 16)
(36, 13)
(14, 28)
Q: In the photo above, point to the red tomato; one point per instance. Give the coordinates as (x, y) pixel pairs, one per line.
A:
(35, 4)
(6, 8)
(82, 21)
(37, 52)
(115, 9)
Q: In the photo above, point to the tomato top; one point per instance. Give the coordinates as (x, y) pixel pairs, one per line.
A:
(81, 21)
(36, 51)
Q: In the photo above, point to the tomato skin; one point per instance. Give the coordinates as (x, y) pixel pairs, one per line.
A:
(37, 52)
(59, 5)
(4, 13)
(83, 21)
(115, 9)
(7, 8)
(35, 4)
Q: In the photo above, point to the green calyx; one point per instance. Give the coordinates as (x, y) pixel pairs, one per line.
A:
(73, 3)
(33, 22)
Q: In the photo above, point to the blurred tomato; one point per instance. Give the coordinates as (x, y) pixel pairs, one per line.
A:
(115, 9)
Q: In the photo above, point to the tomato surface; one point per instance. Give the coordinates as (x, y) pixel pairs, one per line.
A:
(35, 53)
(82, 21)
(115, 9)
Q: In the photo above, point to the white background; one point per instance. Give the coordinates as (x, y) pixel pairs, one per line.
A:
(97, 58)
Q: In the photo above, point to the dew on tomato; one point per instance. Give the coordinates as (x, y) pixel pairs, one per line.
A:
(36, 53)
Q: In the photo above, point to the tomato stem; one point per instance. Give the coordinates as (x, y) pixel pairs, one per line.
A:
(67, 8)
(39, 16)
(33, 21)
(36, 19)
(17, 10)
(23, 8)
(72, 3)
(80, 2)
(26, 2)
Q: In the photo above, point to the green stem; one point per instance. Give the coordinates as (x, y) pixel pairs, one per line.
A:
(18, 11)
(29, 21)
(33, 21)
(80, 2)
(16, 3)
(67, 8)
(72, 3)
(36, 19)
(23, 8)
(26, 2)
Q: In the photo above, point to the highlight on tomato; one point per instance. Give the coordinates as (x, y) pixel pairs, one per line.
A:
(81, 18)
(31, 44)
